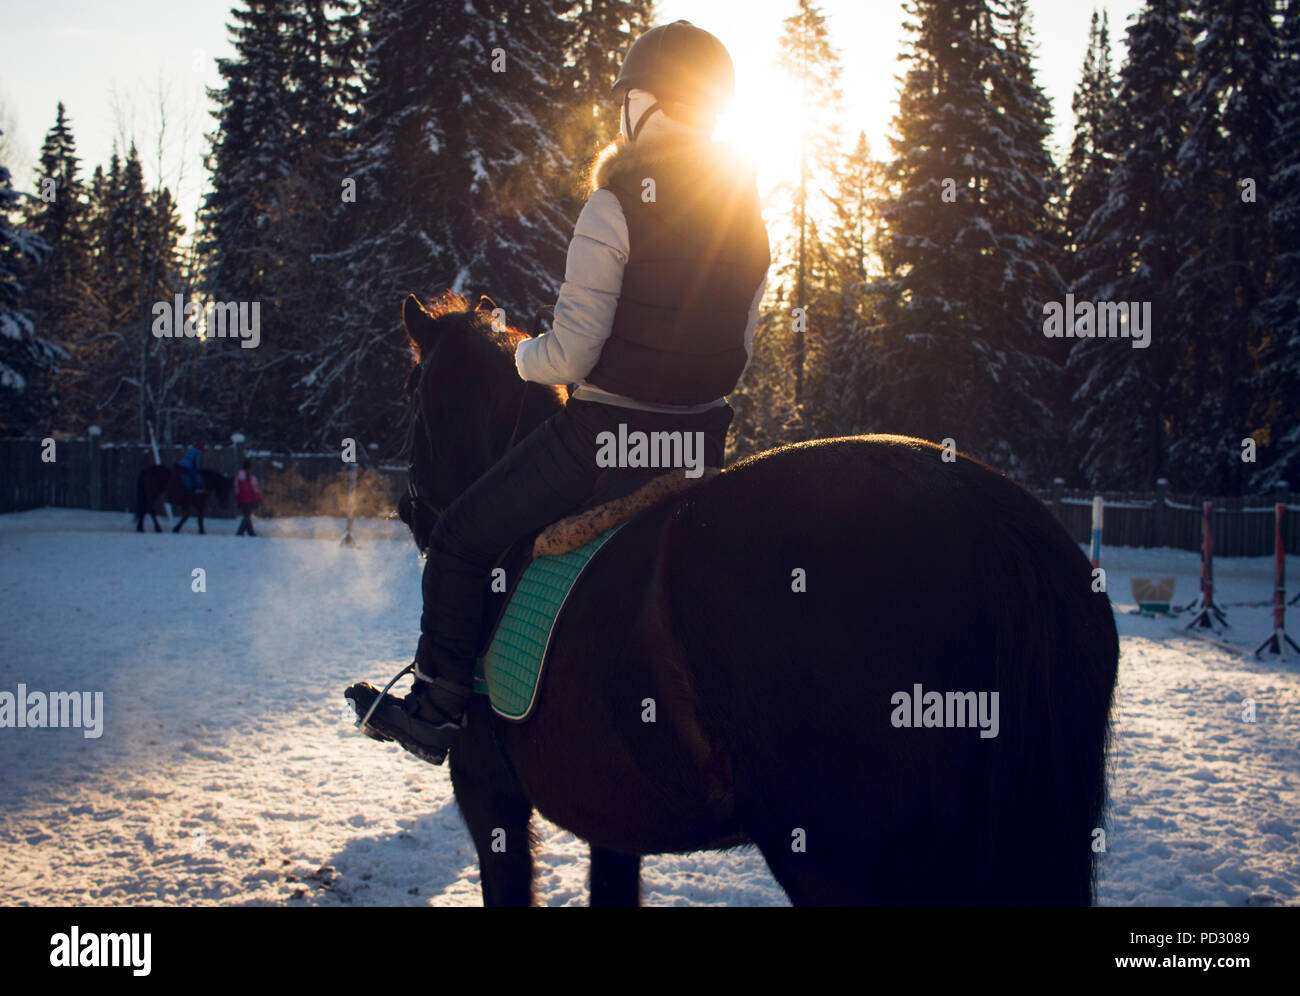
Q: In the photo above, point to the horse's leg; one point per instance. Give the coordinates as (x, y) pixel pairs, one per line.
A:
(615, 878)
(200, 508)
(184, 519)
(495, 810)
(810, 878)
(154, 515)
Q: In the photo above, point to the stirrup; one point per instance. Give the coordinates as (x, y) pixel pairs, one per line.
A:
(364, 720)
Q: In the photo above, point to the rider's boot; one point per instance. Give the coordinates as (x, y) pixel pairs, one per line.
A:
(427, 721)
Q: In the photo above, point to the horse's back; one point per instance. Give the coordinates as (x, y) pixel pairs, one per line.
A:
(827, 585)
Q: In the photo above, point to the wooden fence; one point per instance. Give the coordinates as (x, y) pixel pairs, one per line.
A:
(88, 474)
(1242, 526)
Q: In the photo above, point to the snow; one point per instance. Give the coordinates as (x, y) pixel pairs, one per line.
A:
(229, 771)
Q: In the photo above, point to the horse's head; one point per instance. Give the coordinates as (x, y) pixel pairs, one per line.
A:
(218, 484)
(467, 402)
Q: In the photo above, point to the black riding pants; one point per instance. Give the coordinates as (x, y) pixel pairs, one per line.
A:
(547, 475)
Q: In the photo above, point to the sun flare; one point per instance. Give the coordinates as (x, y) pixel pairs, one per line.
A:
(764, 123)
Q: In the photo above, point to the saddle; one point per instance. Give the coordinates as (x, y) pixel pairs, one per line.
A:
(589, 522)
(516, 633)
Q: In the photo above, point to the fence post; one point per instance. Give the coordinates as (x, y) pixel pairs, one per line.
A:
(1278, 641)
(1160, 529)
(96, 484)
(1208, 614)
(347, 539)
(1054, 498)
(237, 447)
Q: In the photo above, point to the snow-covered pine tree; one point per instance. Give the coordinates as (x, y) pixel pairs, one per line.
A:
(56, 213)
(23, 354)
(782, 396)
(457, 134)
(971, 246)
(850, 260)
(308, 219)
(252, 150)
(814, 64)
(1224, 248)
(120, 380)
(1091, 160)
(600, 32)
(1124, 397)
(1278, 380)
(1024, 193)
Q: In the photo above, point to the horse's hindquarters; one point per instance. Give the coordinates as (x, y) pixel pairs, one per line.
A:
(910, 668)
(764, 657)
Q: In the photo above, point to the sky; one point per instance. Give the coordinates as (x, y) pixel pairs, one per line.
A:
(122, 66)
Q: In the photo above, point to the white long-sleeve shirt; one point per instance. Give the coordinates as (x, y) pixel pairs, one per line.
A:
(584, 312)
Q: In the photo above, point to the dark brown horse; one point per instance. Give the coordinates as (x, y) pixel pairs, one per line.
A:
(167, 483)
(756, 662)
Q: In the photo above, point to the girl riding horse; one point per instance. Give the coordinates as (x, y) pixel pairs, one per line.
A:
(654, 323)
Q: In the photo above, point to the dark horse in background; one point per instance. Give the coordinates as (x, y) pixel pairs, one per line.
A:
(167, 483)
(774, 704)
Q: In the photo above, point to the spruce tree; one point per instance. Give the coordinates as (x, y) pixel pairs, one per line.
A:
(600, 33)
(1277, 383)
(1224, 248)
(124, 378)
(1125, 399)
(251, 151)
(456, 135)
(1091, 160)
(813, 63)
(57, 214)
(850, 256)
(971, 244)
(308, 219)
(24, 356)
(1024, 194)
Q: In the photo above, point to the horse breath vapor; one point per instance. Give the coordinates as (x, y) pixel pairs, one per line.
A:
(90, 950)
(63, 710)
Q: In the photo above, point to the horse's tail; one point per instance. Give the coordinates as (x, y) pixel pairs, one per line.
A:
(1057, 657)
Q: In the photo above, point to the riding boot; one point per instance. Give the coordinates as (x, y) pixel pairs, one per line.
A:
(426, 722)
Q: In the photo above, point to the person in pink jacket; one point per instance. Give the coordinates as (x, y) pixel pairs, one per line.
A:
(247, 497)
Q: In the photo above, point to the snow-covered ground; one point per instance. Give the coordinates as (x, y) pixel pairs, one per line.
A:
(229, 771)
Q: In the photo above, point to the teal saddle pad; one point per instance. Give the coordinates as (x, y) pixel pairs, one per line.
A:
(510, 672)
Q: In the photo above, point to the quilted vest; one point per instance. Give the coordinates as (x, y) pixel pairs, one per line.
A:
(698, 250)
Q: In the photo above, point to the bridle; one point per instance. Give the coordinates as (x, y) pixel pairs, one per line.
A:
(421, 420)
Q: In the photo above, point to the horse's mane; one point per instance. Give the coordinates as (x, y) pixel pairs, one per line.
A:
(450, 306)
(482, 332)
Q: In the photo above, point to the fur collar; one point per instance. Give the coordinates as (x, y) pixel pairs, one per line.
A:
(621, 159)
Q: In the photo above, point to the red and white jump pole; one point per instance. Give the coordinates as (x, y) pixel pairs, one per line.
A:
(1208, 614)
(1279, 641)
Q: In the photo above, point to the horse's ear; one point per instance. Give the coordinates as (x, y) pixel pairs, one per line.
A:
(420, 326)
(485, 303)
